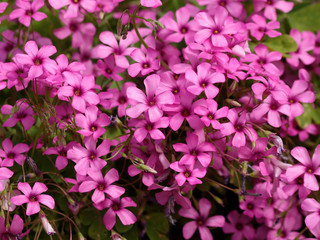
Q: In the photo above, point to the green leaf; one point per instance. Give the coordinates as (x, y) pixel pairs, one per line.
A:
(122, 228)
(316, 115)
(157, 226)
(305, 119)
(98, 231)
(88, 216)
(306, 18)
(284, 44)
(132, 234)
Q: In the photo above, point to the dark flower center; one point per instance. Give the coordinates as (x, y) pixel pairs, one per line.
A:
(222, 3)
(175, 91)
(37, 61)
(292, 101)
(187, 174)
(269, 2)
(239, 226)
(210, 116)
(145, 65)
(108, 70)
(250, 206)
(238, 128)
(33, 198)
(63, 153)
(152, 103)
(9, 47)
(11, 155)
(185, 113)
(116, 206)
(309, 170)
(92, 156)
(21, 115)
(73, 26)
(93, 128)
(29, 12)
(299, 181)
(176, 76)
(200, 222)
(75, 1)
(77, 92)
(149, 126)
(274, 107)
(184, 30)
(122, 100)
(101, 187)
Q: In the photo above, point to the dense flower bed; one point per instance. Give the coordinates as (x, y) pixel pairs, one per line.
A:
(173, 119)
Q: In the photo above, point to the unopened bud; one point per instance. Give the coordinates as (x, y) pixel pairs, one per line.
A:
(233, 103)
(46, 225)
(33, 166)
(233, 87)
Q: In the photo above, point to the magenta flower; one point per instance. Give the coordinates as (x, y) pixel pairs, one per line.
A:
(89, 157)
(15, 230)
(92, 122)
(311, 205)
(27, 10)
(82, 90)
(61, 151)
(151, 102)
(200, 221)
(252, 207)
(120, 50)
(102, 185)
(239, 226)
(33, 197)
(3, 6)
(151, 3)
(307, 167)
(203, 80)
(23, 115)
(306, 42)
(270, 7)
(11, 154)
(188, 173)
(117, 207)
(76, 28)
(37, 59)
(74, 6)
(217, 29)
(259, 27)
(209, 111)
(145, 127)
(195, 149)
(8, 44)
(146, 63)
(109, 69)
(232, 68)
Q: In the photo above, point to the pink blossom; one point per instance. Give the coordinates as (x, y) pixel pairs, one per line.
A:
(82, 90)
(90, 156)
(313, 207)
(188, 173)
(23, 115)
(102, 185)
(307, 167)
(146, 63)
(306, 43)
(203, 80)
(92, 122)
(217, 29)
(15, 230)
(3, 6)
(61, 151)
(74, 6)
(151, 102)
(259, 27)
(8, 44)
(109, 69)
(33, 197)
(27, 10)
(11, 154)
(37, 59)
(234, 7)
(117, 207)
(270, 7)
(200, 221)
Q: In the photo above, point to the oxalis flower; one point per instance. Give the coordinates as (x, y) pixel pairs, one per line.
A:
(33, 197)
(201, 221)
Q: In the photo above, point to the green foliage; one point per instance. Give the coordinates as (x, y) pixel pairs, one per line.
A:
(310, 114)
(284, 44)
(305, 18)
(157, 226)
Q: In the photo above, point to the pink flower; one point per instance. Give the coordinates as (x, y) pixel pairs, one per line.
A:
(74, 6)
(306, 42)
(259, 27)
(238, 226)
(117, 207)
(10, 153)
(33, 197)
(188, 173)
(217, 29)
(147, 63)
(210, 113)
(270, 7)
(151, 3)
(82, 90)
(102, 185)
(92, 122)
(27, 10)
(3, 6)
(61, 151)
(109, 69)
(76, 28)
(89, 157)
(234, 7)
(195, 149)
(313, 207)
(152, 102)
(15, 230)
(307, 167)
(24, 115)
(203, 80)
(120, 50)
(37, 59)
(200, 221)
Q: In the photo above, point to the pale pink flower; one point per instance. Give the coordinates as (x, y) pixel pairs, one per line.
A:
(11, 154)
(146, 63)
(23, 115)
(74, 6)
(15, 230)
(151, 3)
(188, 173)
(259, 27)
(33, 197)
(270, 7)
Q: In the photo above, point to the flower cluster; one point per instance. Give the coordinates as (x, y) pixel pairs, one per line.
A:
(134, 121)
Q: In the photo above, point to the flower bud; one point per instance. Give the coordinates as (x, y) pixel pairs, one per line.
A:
(46, 225)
